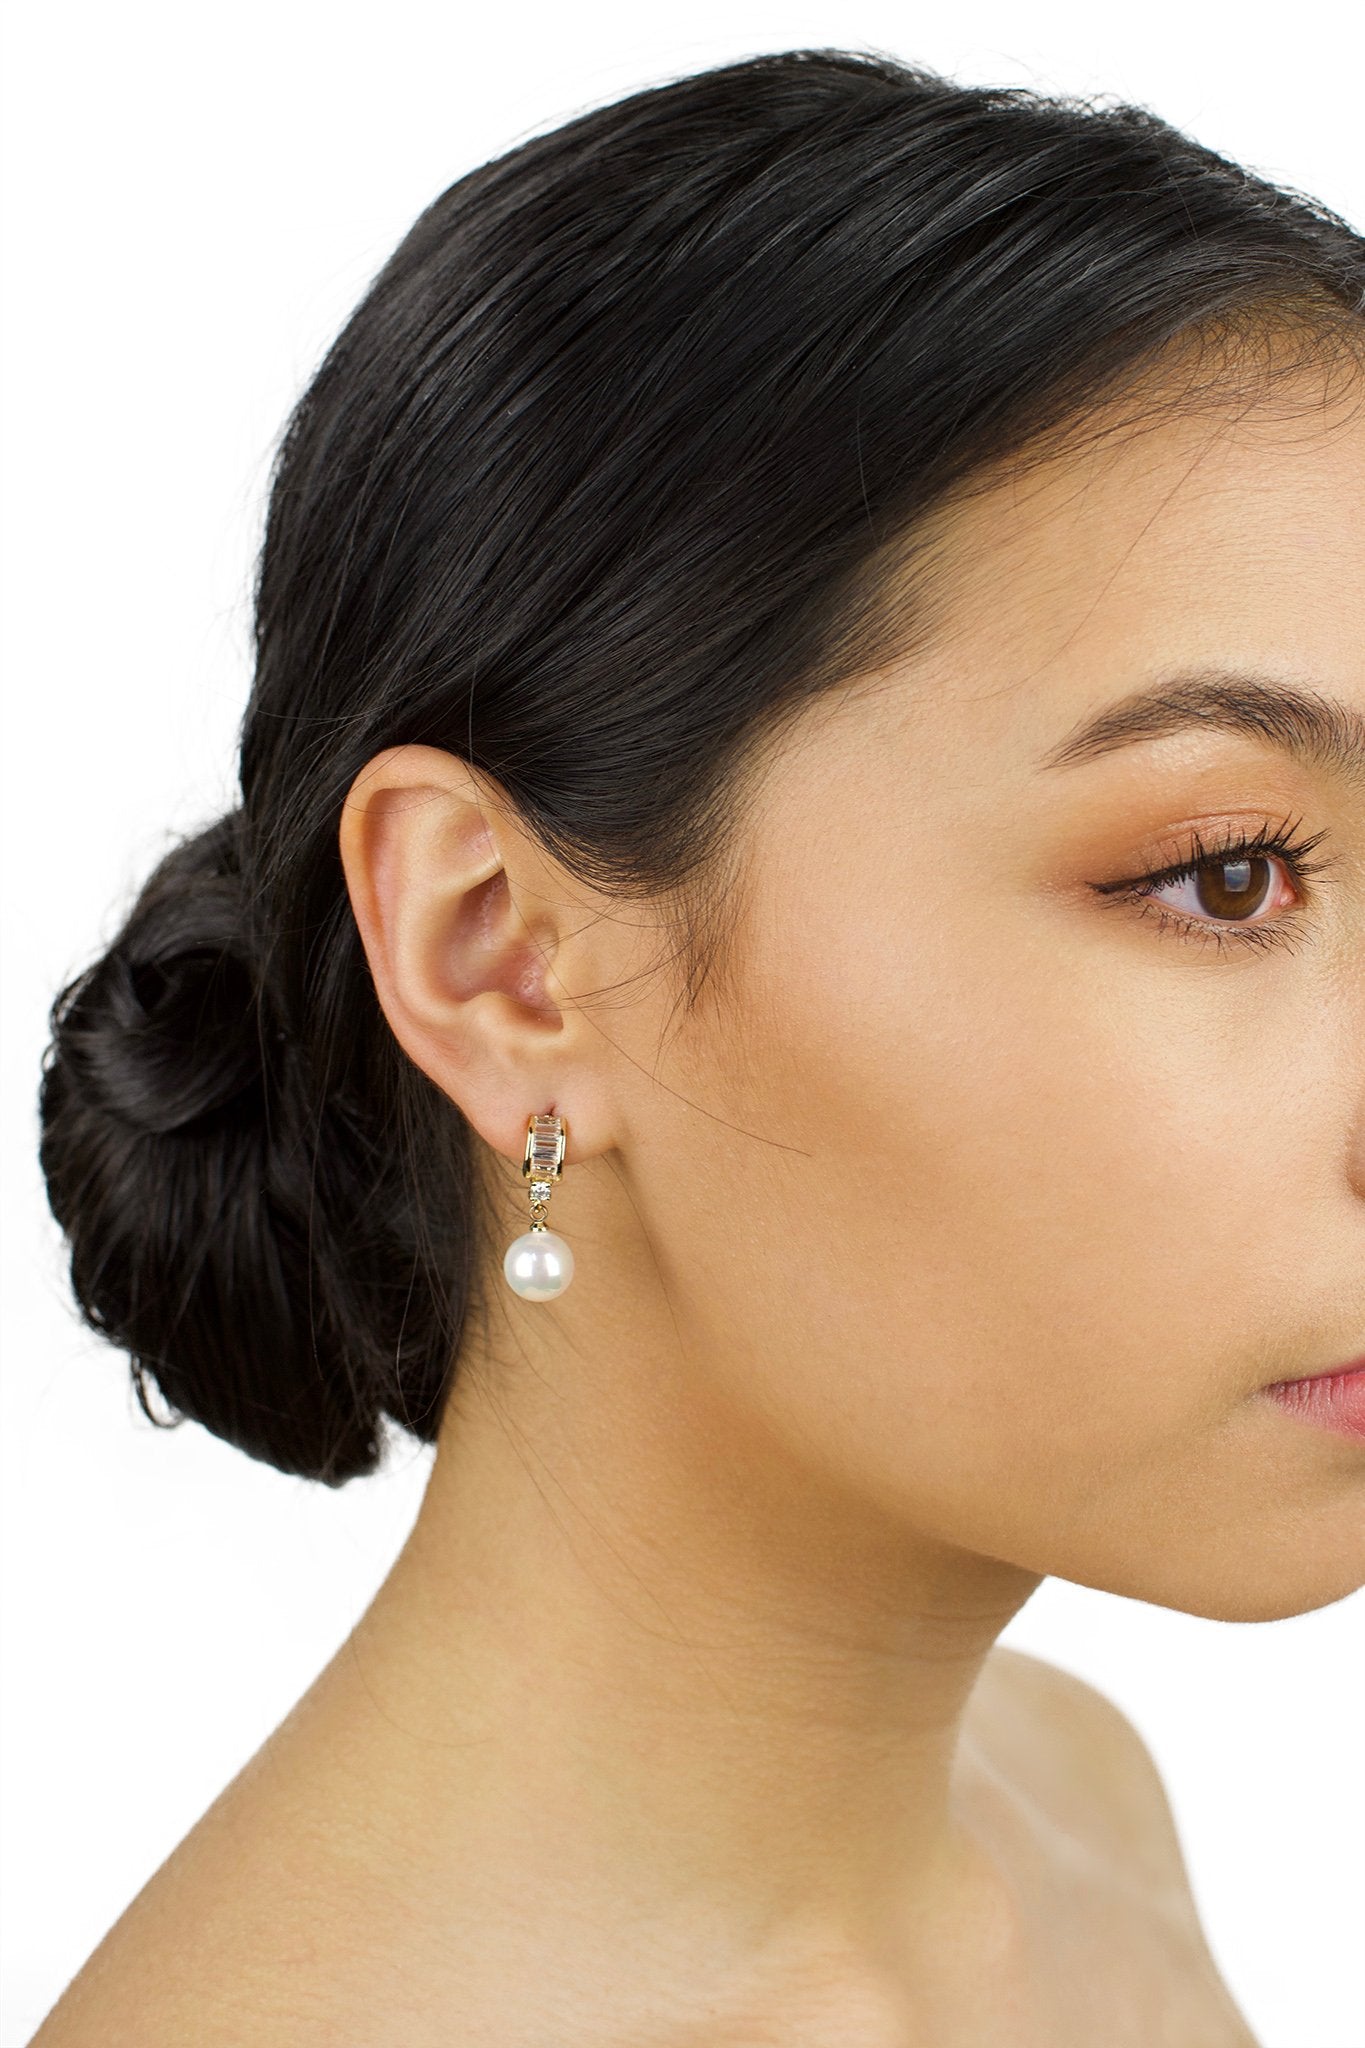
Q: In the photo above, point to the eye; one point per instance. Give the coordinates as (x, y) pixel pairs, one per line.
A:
(1233, 891)
(1228, 893)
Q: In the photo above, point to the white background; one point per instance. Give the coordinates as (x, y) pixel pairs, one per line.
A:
(195, 198)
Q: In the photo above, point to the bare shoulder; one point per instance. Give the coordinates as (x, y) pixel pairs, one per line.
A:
(1087, 1763)
(222, 1944)
(1085, 1768)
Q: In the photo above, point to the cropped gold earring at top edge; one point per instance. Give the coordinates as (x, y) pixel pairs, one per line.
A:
(538, 1265)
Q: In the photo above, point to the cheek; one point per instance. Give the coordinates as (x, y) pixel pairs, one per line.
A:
(1006, 1245)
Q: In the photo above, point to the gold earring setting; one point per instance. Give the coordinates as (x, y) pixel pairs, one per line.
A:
(538, 1265)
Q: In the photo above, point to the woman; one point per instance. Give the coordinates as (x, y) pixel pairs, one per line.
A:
(785, 990)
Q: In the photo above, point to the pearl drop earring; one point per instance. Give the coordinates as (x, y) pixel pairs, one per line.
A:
(538, 1265)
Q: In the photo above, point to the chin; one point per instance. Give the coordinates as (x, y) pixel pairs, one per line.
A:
(1250, 1582)
(1275, 1596)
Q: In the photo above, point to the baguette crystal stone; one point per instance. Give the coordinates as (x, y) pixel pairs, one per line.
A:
(544, 1148)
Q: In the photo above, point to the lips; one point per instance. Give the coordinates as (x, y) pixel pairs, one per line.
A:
(1333, 1400)
(1332, 1372)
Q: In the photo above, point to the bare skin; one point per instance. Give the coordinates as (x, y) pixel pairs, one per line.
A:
(951, 1248)
(302, 1911)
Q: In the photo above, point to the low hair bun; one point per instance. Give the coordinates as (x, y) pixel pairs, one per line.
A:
(166, 1031)
(233, 1227)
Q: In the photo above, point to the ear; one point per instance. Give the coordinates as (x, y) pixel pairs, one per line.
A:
(468, 928)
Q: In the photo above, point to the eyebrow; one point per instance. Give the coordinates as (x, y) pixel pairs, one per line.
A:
(1320, 731)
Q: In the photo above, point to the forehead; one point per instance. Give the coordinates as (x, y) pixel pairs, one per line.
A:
(1231, 483)
(1232, 533)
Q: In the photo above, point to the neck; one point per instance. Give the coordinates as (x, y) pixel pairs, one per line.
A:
(638, 1652)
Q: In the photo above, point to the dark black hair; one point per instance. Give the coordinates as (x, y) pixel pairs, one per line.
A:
(619, 462)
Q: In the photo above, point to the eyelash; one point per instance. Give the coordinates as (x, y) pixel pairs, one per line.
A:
(1276, 841)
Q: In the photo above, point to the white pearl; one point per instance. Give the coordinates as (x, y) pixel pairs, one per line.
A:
(538, 1265)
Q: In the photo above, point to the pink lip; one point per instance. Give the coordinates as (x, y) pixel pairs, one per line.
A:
(1334, 1400)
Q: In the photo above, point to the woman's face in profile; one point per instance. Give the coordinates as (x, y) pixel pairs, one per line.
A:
(1006, 1190)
